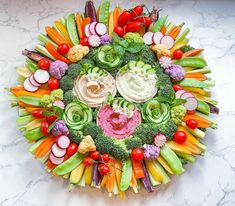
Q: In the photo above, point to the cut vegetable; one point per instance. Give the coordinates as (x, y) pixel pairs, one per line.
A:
(148, 38)
(41, 76)
(179, 93)
(57, 152)
(33, 81)
(92, 27)
(56, 160)
(157, 37)
(168, 41)
(100, 29)
(28, 86)
(191, 104)
(186, 95)
(63, 142)
(87, 30)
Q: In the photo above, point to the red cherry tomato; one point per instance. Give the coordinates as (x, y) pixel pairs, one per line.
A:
(51, 119)
(137, 11)
(53, 83)
(145, 20)
(37, 113)
(137, 154)
(95, 155)
(63, 49)
(105, 158)
(124, 18)
(44, 127)
(133, 27)
(177, 87)
(72, 149)
(177, 54)
(44, 64)
(119, 31)
(104, 169)
(88, 161)
(191, 112)
(84, 41)
(192, 123)
(180, 137)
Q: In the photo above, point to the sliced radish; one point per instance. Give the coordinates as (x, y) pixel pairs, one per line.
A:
(33, 81)
(29, 87)
(41, 76)
(100, 29)
(92, 27)
(168, 41)
(57, 152)
(179, 93)
(87, 30)
(191, 103)
(148, 38)
(55, 160)
(157, 37)
(63, 142)
(186, 95)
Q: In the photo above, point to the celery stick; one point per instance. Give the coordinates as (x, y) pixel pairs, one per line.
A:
(187, 157)
(24, 120)
(44, 39)
(23, 112)
(183, 35)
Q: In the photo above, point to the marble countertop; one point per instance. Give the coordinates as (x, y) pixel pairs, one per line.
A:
(210, 181)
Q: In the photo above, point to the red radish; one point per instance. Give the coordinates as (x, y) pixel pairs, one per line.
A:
(148, 38)
(33, 82)
(28, 86)
(41, 76)
(100, 29)
(55, 160)
(87, 30)
(191, 103)
(92, 27)
(57, 152)
(157, 37)
(186, 95)
(63, 142)
(179, 93)
(168, 41)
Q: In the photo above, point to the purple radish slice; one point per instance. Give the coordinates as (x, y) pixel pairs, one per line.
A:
(55, 160)
(148, 38)
(41, 76)
(57, 152)
(168, 41)
(33, 82)
(157, 37)
(186, 95)
(63, 142)
(191, 104)
(29, 87)
(87, 30)
(92, 27)
(179, 93)
(100, 29)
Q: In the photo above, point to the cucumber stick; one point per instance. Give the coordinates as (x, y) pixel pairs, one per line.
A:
(126, 175)
(104, 12)
(72, 29)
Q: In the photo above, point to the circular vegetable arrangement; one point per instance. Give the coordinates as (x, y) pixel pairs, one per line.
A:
(115, 99)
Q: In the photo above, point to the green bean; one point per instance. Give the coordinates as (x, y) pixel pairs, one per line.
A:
(126, 175)
(30, 100)
(194, 62)
(33, 134)
(182, 36)
(159, 24)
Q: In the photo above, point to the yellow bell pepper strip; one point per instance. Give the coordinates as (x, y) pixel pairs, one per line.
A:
(193, 148)
(164, 165)
(190, 137)
(32, 125)
(178, 147)
(76, 174)
(153, 170)
(133, 182)
(178, 45)
(61, 27)
(110, 178)
(104, 180)
(195, 90)
(88, 175)
(162, 171)
(111, 24)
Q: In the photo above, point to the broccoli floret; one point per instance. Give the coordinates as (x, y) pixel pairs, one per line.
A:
(112, 146)
(74, 70)
(66, 83)
(163, 79)
(167, 91)
(130, 56)
(132, 143)
(75, 135)
(68, 97)
(57, 94)
(92, 129)
(133, 37)
(168, 129)
(177, 114)
(146, 132)
(187, 48)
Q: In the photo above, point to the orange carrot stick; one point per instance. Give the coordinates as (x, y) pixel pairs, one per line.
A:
(44, 147)
(116, 14)
(138, 169)
(175, 31)
(163, 30)
(86, 21)
(55, 36)
(192, 52)
(201, 121)
(79, 23)
(198, 76)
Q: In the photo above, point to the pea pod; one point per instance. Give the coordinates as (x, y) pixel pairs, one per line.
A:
(34, 134)
(159, 24)
(104, 12)
(126, 175)
(72, 29)
(203, 107)
(172, 160)
(30, 100)
(182, 36)
(193, 62)
(187, 82)
(69, 165)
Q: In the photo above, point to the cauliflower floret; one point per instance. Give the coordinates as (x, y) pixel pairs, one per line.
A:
(87, 144)
(77, 52)
(161, 50)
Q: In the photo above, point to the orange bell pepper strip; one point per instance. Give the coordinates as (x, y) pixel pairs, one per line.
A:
(138, 169)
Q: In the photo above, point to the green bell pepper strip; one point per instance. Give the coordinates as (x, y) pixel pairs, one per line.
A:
(24, 119)
(172, 160)
(203, 107)
(193, 62)
(69, 165)
(159, 24)
(30, 100)
(34, 134)
(104, 12)
(126, 175)
(182, 36)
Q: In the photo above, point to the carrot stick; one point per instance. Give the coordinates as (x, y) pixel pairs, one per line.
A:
(16, 89)
(50, 165)
(25, 93)
(110, 179)
(133, 182)
(116, 14)
(163, 30)
(201, 121)
(175, 31)
(44, 147)
(192, 52)
(86, 21)
(55, 36)
(79, 23)
(198, 76)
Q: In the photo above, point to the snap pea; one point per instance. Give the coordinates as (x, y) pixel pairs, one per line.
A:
(104, 12)
(182, 36)
(193, 62)
(126, 175)
(33, 134)
(69, 165)
(203, 107)
(172, 160)
(30, 100)
(159, 24)
(187, 82)
(72, 29)
(24, 119)
(31, 65)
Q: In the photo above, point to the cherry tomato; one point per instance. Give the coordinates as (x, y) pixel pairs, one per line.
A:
(119, 31)
(72, 149)
(177, 54)
(44, 64)
(145, 20)
(104, 169)
(88, 161)
(105, 158)
(95, 155)
(191, 112)
(51, 118)
(137, 11)
(63, 49)
(180, 137)
(124, 18)
(44, 127)
(192, 123)
(84, 41)
(177, 87)
(137, 154)
(37, 113)
(53, 83)
(133, 27)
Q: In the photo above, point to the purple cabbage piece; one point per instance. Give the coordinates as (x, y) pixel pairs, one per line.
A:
(146, 180)
(57, 69)
(60, 128)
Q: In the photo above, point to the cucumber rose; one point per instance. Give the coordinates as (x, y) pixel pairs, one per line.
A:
(76, 115)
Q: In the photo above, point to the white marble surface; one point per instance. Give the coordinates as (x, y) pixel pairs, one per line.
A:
(210, 181)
